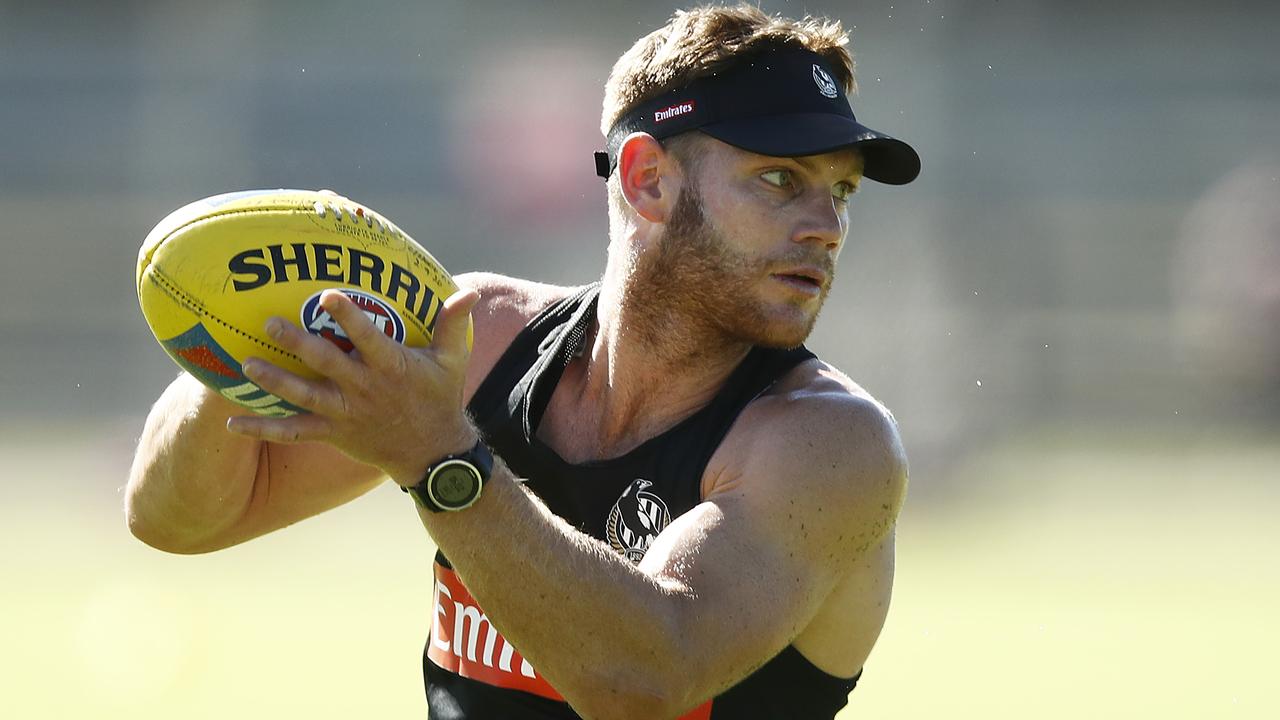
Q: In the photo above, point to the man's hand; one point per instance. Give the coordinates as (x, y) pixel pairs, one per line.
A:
(386, 405)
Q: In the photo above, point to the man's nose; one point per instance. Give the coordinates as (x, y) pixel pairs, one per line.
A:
(822, 221)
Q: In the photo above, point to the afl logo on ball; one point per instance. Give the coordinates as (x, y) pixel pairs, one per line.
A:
(318, 322)
(823, 80)
(635, 520)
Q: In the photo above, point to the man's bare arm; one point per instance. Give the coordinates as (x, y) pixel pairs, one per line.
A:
(194, 487)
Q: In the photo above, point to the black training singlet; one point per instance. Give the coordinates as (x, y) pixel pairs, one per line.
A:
(471, 672)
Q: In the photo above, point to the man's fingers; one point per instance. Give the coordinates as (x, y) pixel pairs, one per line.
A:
(454, 324)
(376, 349)
(315, 352)
(298, 428)
(317, 396)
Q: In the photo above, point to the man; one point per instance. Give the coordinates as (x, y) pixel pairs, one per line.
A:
(650, 500)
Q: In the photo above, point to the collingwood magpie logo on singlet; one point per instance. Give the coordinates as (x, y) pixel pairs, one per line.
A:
(636, 519)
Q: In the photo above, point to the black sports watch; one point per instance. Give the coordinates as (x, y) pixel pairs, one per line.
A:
(454, 482)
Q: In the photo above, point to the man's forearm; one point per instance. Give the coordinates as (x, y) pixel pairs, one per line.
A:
(603, 633)
(190, 478)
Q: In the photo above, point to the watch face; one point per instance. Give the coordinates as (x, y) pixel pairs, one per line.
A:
(455, 485)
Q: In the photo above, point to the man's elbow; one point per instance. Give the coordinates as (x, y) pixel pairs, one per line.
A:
(153, 531)
(629, 701)
(159, 539)
(666, 688)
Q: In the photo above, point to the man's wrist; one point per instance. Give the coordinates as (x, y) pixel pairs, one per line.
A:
(455, 481)
(463, 439)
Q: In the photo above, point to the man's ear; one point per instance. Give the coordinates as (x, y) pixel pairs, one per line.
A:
(648, 176)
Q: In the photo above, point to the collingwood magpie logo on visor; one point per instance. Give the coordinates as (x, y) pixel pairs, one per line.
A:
(825, 84)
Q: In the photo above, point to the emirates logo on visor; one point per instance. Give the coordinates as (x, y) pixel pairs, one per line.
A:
(826, 85)
(683, 108)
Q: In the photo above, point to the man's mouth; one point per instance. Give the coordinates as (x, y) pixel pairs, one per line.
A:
(810, 277)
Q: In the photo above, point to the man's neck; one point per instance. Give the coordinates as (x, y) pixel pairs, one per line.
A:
(648, 365)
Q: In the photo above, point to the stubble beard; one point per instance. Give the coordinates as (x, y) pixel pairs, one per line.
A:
(700, 291)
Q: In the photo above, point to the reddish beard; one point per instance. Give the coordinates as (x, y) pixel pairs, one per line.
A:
(696, 283)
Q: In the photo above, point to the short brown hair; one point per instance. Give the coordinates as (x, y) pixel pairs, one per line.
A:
(704, 40)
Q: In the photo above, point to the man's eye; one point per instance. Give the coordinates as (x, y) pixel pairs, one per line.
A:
(843, 190)
(777, 178)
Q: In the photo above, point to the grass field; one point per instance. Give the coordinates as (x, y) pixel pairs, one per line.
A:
(1066, 579)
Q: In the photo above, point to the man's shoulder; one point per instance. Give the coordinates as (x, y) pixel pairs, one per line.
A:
(816, 417)
(506, 299)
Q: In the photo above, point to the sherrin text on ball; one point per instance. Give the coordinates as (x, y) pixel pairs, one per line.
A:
(212, 272)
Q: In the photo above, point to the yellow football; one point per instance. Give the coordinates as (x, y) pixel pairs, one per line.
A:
(212, 272)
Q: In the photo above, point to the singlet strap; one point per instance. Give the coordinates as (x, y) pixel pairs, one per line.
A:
(525, 350)
(557, 349)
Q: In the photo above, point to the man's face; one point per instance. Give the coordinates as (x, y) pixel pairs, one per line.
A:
(752, 243)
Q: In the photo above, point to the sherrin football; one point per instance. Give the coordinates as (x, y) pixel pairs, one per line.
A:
(212, 272)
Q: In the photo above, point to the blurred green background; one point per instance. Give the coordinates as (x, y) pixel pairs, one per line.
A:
(1074, 313)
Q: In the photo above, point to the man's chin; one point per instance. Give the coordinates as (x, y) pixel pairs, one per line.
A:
(783, 342)
(782, 333)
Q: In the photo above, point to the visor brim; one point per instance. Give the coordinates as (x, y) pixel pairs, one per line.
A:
(886, 159)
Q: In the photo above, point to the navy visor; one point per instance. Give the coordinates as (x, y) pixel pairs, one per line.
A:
(785, 104)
